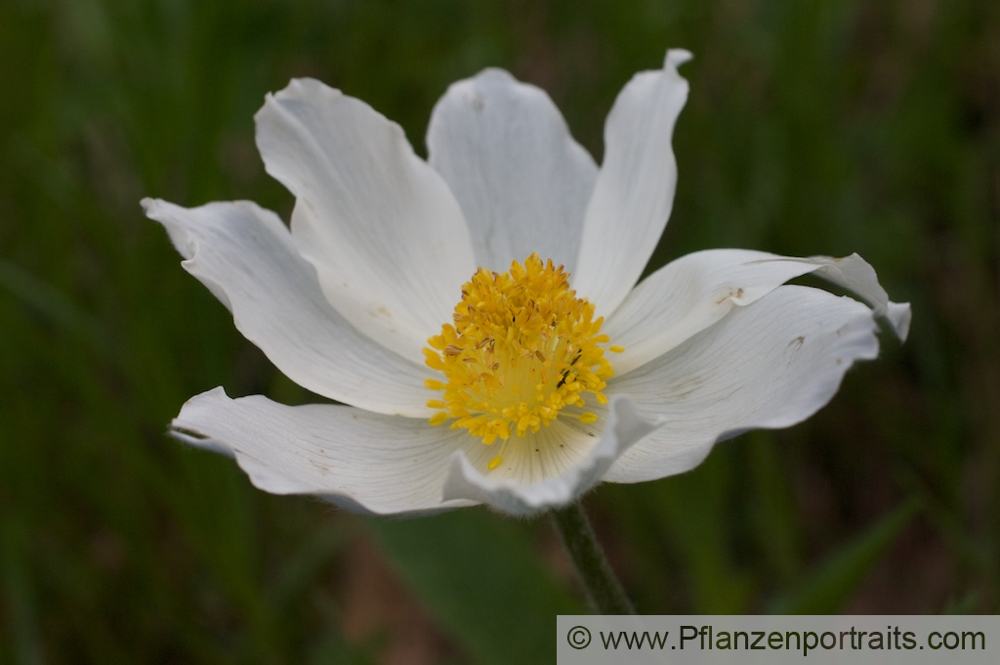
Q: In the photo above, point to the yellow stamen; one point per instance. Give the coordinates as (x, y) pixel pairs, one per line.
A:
(522, 347)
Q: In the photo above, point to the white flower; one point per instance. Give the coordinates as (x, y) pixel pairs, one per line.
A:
(358, 303)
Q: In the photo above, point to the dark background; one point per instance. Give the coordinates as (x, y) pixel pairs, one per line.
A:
(813, 127)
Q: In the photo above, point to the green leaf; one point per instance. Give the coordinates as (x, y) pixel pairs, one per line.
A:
(482, 579)
(838, 577)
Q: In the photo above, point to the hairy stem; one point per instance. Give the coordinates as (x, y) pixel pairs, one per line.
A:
(604, 592)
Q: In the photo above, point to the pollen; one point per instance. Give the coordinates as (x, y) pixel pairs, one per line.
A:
(521, 349)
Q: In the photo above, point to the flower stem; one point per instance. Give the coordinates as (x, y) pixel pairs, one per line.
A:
(604, 593)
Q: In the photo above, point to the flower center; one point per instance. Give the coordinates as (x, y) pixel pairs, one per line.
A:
(522, 348)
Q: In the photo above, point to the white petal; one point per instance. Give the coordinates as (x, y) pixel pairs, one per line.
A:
(245, 256)
(691, 293)
(854, 273)
(578, 470)
(522, 181)
(360, 461)
(386, 236)
(635, 186)
(768, 365)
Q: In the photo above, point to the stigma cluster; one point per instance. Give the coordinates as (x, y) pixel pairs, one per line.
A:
(521, 349)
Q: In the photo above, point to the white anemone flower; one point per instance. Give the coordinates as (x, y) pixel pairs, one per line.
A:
(477, 317)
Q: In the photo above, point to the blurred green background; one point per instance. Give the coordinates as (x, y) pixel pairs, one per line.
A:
(813, 127)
